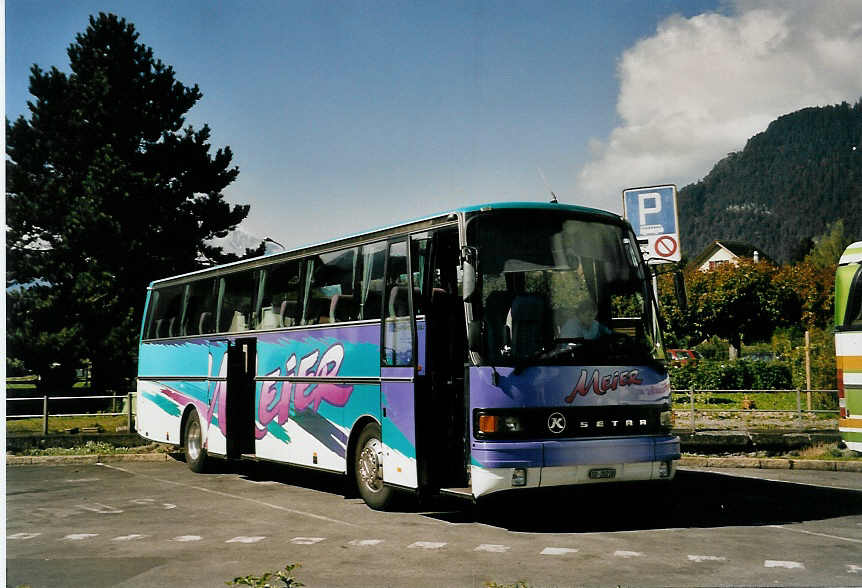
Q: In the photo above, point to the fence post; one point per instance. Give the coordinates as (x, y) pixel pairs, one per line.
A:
(129, 407)
(798, 408)
(45, 415)
(691, 398)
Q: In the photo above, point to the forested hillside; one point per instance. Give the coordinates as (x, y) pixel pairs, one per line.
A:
(784, 187)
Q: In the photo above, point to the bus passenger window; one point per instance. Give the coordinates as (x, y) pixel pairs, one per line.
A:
(166, 304)
(330, 293)
(280, 302)
(237, 302)
(199, 313)
(373, 258)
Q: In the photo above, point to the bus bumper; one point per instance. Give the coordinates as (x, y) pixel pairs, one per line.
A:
(498, 466)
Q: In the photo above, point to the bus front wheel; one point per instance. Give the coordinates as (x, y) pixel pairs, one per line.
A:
(196, 454)
(368, 468)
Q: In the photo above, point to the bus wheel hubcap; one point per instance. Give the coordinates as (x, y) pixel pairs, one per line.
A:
(194, 440)
(371, 465)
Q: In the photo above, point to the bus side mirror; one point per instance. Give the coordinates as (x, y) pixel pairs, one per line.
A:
(679, 290)
(468, 266)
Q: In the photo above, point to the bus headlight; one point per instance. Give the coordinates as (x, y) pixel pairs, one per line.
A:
(494, 424)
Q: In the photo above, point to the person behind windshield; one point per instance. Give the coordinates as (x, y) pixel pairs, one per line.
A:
(582, 323)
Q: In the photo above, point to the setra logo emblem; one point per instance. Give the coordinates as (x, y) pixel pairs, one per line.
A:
(556, 423)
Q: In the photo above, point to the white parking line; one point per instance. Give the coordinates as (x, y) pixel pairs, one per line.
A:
(80, 536)
(101, 508)
(306, 540)
(804, 532)
(365, 542)
(187, 538)
(628, 554)
(853, 569)
(703, 558)
(244, 539)
(22, 536)
(558, 551)
(426, 545)
(131, 537)
(790, 565)
(490, 547)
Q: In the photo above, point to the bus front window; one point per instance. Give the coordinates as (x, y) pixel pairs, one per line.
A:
(561, 289)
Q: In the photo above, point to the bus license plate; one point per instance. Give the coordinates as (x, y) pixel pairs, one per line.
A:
(603, 474)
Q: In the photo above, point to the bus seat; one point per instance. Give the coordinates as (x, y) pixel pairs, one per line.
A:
(238, 322)
(528, 324)
(205, 323)
(341, 308)
(398, 303)
(268, 318)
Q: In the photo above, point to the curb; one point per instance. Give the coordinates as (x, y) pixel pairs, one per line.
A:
(771, 463)
(47, 460)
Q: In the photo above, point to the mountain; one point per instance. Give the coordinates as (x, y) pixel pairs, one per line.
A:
(237, 241)
(788, 183)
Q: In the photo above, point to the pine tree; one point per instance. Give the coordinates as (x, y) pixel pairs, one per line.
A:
(106, 191)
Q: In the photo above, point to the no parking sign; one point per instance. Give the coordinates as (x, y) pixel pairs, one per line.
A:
(653, 216)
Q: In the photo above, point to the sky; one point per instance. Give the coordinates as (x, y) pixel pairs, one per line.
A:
(345, 116)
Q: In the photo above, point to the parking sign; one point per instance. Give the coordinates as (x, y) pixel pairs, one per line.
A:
(653, 216)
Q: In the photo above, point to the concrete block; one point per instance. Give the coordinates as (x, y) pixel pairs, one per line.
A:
(775, 464)
(813, 464)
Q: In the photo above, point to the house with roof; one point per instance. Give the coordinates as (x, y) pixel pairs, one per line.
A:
(721, 251)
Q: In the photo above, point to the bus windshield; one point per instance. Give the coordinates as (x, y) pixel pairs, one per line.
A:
(561, 289)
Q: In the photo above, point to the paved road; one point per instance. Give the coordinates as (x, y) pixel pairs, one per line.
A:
(157, 524)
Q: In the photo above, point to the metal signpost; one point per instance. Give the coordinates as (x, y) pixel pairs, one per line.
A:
(653, 216)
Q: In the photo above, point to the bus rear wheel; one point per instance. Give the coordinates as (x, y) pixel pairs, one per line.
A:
(368, 468)
(196, 454)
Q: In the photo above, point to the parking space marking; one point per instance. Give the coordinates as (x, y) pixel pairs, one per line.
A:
(23, 536)
(558, 551)
(306, 540)
(244, 539)
(100, 508)
(816, 534)
(131, 537)
(790, 565)
(79, 536)
(426, 545)
(228, 495)
(365, 542)
(628, 554)
(703, 558)
(853, 569)
(187, 538)
(492, 548)
(82, 480)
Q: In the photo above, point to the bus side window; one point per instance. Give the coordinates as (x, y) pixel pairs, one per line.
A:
(420, 249)
(398, 331)
(165, 316)
(330, 294)
(280, 302)
(199, 313)
(371, 301)
(853, 314)
(236, 302)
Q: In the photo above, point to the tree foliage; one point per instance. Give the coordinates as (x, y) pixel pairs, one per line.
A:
(106, 190)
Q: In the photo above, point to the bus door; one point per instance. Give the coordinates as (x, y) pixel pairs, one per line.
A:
(398, 371)
(239, 398)
(440, 380)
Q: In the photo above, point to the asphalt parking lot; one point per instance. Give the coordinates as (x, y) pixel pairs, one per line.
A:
(158, 524)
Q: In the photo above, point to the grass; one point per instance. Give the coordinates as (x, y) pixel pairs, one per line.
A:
(107, 423)
(760, 400)
(825, 451)
(96, 448)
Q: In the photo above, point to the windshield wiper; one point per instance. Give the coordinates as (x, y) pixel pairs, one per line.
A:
(559, 347)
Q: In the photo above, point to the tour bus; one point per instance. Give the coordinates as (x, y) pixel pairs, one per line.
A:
(848, 344)
(495, 347)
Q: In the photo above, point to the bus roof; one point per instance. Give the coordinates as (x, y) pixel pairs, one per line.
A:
(465, 210)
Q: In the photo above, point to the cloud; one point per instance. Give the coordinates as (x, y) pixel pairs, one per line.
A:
(701, 86)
